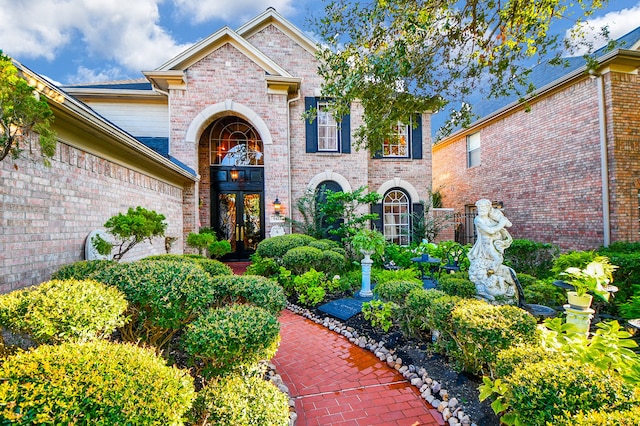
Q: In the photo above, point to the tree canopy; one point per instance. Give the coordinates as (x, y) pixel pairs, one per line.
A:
(22, 112)
(401, 57)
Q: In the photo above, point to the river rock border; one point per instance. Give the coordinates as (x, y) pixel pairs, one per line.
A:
(430, 389)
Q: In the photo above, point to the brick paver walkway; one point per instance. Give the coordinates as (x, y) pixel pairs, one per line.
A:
(337, 383)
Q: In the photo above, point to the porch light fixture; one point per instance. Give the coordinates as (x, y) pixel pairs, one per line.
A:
(277, 206)
(234, 175)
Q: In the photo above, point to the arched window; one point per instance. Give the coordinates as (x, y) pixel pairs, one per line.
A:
(234, 142)
(396, 217)
(321, 199)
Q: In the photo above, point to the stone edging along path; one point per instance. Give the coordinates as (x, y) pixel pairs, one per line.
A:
(430, 389)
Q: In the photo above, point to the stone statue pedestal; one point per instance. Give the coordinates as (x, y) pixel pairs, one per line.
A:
(580, 317)
(366, 263)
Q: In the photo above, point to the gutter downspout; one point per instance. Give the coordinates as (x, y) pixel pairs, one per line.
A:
(289, 102)
(604, 162)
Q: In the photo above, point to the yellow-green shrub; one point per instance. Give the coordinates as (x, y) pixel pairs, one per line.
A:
(481, 330)
(396, 291)
(511, 359)
(630, 417)
(93, 383)
(254, 289)
(427, 310)
(240, 401)
(456, 285)
(64, 311)
(81, 270)
(232, 338)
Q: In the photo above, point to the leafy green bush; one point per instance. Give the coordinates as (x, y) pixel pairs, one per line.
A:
(542, 292)
(163, 296)
(276, 247)
(232, 339)
(540, 393)
(481, 330)
(331, 262)
(379, 313)
(530, 257)
(240, 401)
(572, 259)
(396, 291)
(631, 309)
(264, 266)
(211, 266)
(512, 358)
(312, 287)
(381, 276)
(301, 259)
(426, 310)
(94, 383)
(64, 311)
(207, 242)
(81, 270)
(254, 289)
(399, 255)
(456, 285)
(626, 277)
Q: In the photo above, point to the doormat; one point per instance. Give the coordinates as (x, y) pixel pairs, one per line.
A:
(342, 308)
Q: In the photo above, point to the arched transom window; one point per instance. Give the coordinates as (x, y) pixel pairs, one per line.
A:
(234, 142)
(396, 217)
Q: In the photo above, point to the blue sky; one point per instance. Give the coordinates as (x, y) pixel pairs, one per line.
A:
(78, 41)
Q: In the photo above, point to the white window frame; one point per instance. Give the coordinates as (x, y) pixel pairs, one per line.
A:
(396, 217)
(473, 150)
(328, 131)
(400, 146)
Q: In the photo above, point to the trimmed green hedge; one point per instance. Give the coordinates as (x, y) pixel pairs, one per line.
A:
(81, 270)
(240, 401)
(94, 383)
(211, 266)
(163, 296)
(254, 289)
(396, 291)
(276, 247)
(64, 311)
(232, 339)
(457, 285)
(301, 259)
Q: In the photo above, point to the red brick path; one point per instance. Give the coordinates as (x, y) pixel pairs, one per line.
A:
(337, 383)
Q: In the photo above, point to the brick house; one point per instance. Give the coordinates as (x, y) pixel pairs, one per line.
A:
(224, 120)
(565, 166)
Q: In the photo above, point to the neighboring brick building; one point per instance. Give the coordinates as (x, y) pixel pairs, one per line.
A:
(223, 138)
(567, 170)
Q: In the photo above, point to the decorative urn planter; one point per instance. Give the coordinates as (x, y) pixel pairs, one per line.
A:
(579, 302)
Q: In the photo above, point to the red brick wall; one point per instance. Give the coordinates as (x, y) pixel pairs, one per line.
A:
(543, 164)
(46, 213)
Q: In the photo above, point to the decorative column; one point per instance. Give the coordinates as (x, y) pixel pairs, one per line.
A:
(366, 274)
(580, 317)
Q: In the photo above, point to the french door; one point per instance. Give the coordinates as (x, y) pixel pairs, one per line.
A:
(239, 220)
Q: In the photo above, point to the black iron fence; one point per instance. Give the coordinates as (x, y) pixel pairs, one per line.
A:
(465, 232)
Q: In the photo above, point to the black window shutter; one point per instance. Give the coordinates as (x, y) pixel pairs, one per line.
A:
(416, 139)
(418, 212)
(377, 223)
(345, 134)
(310, 125)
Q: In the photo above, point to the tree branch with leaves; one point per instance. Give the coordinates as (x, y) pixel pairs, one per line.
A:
(401, 57)
(22, 112)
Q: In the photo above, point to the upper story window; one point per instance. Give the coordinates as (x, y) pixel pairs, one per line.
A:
(399, 146)
(324, 133)
(327, 128)
(234, 142)
(473, 150)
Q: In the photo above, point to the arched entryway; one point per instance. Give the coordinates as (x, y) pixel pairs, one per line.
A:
(236, 165)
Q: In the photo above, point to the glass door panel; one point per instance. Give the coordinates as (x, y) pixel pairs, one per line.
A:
(239, 221)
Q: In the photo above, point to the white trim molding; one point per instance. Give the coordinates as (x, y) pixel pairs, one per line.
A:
(329, 175)
(400, 183)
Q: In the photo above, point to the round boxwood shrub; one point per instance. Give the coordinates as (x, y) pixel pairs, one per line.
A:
(301, 259)
(254, 289)
(511, 359)
(539, 393)
(64, 311)
(232, 339)
(276, 247)
(630, 417)
(81, 270)
(212, 266)
(457, 286)
(396, 291)
(426, 310)
(163, 296)
(94, 383)
(332, 263)
(481, 330)
(240, 401)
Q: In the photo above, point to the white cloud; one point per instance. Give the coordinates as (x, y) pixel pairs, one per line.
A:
(234, 10)
(124, 31)
(618, 22)
(84, 75)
